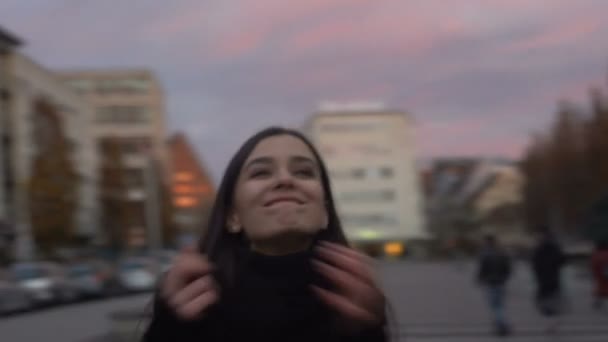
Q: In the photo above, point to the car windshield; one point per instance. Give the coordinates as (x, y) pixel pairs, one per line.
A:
(81, 271)
(28, 272)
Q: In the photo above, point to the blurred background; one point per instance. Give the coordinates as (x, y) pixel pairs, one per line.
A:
(440, 122)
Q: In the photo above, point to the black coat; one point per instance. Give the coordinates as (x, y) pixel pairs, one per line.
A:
(271, 301)
(547, 262)
(494, 268)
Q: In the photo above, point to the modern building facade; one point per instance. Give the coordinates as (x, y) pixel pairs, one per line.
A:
(192, 191)
(370, 156)
(129, 109)
(23, 84)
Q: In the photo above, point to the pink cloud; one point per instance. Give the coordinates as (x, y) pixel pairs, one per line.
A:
(377, 31)
(559, 35)
(238, 45)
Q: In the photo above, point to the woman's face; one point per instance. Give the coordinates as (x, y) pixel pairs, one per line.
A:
(279, 198)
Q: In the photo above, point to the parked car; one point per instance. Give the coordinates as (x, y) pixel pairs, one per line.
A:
(165, 259)
(46, 282)
(137, 274)
(12, 297)
(92, 279)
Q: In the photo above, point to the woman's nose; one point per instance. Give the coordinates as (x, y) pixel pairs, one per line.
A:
(284, 178)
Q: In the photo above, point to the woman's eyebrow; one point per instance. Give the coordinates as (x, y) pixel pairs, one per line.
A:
(259, 160)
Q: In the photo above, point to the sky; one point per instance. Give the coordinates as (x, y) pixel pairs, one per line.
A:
(476, 76)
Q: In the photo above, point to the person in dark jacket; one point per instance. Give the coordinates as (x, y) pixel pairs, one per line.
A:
(548, 260)
(493, 273)
(274, 264)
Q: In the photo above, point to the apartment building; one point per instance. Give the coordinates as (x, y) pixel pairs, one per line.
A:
(24, 84)
(129, 109)
(370, 155)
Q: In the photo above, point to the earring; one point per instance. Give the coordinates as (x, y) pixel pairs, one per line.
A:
(234, 228)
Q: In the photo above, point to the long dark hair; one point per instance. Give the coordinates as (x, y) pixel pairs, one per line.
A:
(223, 247)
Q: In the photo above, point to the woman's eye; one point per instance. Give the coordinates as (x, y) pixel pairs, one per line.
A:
(305, 173)
(259, 173)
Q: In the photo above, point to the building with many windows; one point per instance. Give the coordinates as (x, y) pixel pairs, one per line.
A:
(26, 88)
(129, 111)
(370, 156)
(192, 191)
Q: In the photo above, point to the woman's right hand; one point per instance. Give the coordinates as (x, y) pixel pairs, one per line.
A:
(189, 287)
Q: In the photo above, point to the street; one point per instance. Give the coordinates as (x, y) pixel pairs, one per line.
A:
(431, 302)
(73, 323)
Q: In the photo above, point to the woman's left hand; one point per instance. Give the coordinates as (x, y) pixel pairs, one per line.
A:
(357, 298)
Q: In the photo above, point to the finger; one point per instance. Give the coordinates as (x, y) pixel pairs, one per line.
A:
(348, 263)
(194, 308)
(192, 290)
(186, 268)
(343, 280)
(343, 305)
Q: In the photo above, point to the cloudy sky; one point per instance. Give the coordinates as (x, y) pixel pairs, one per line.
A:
(478, 76)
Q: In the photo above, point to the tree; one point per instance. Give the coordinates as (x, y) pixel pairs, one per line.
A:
(536, 191)
(596, 145)
(53, 185)
(567, 170)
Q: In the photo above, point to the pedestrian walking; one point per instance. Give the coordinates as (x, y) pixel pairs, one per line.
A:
(548, 261)
(274, 264)
(493, 273)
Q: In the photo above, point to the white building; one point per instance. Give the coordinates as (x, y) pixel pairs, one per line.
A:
(369, 152)
(129, 109)
(24, 82)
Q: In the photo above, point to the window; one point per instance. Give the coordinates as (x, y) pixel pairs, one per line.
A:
(386, 172)
(350, 127)
(122, 114)
(132, 85)
(80, 86)
(368, 196)
(185, 201)
(183, 177)
(358, 173)
(371, 219)
(134, 177)
(135, 145)
(183, 189)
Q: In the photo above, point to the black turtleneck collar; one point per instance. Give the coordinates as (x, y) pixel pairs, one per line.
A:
(289, 265)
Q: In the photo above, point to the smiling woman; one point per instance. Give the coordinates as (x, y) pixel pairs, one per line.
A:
(274, 264)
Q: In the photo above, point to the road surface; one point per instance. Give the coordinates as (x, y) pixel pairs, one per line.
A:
(431, 302)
